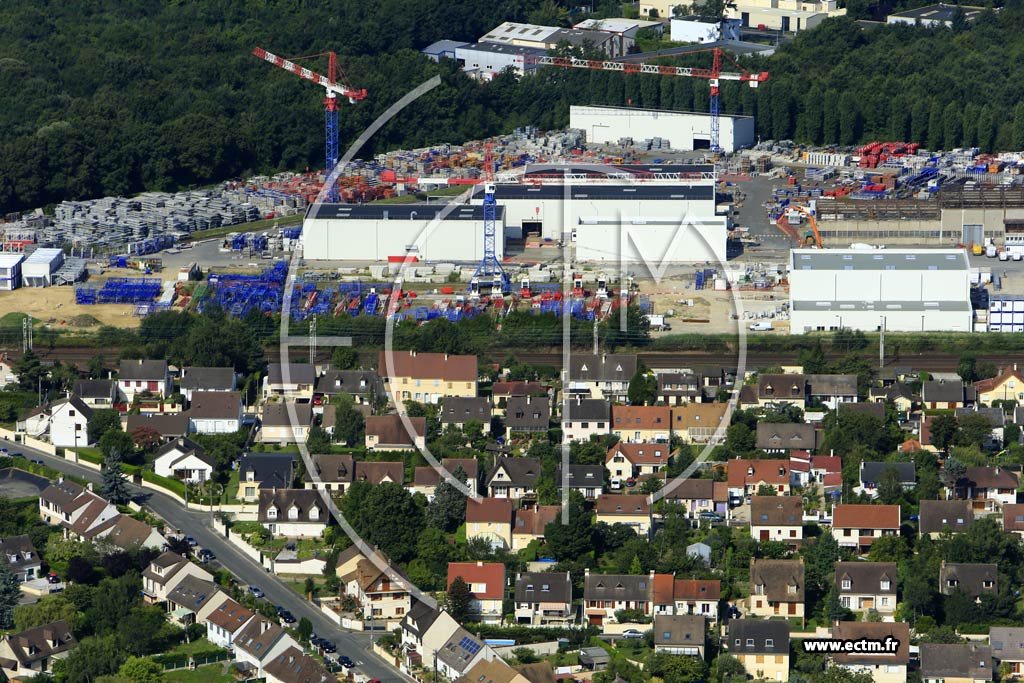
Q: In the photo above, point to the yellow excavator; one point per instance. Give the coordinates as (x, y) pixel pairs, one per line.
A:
(811, 238)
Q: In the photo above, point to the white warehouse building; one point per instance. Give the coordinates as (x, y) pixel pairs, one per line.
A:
(683, 130)
(906, 290)
(613, 213)
(10, 271)
(376, 232)
(37, 270)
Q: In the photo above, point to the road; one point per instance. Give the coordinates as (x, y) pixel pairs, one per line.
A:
(246, 571)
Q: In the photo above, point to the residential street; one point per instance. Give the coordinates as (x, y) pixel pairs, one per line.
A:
(245, 570)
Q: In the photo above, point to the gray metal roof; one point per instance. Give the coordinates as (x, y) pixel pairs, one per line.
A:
(888, 259)
(605, 192)
(404, 212)
(882, 306)
(505, 49)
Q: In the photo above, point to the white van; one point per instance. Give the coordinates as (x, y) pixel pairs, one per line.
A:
(761, 326)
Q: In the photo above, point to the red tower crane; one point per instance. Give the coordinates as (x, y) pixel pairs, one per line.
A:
(331, 84)
(713, 75)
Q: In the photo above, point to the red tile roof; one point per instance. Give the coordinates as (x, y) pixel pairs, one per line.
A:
(430, 366)
(829, 463)
(641, 417)
(664, 589)
(494, 510)
(985, 385)
(866, 517)
(745, 472)
(490, 574)
(641, 453)
(625, 504)
(532, 522)
(697, 589)
(1013, 517)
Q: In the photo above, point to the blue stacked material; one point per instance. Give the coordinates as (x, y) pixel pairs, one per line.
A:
(433, 314)
(118, 261)
(645, 303)
(698, 282)
(370, 305)
(291, 233)
(126, 290)
(576, 309)
(85, 296)
(454, 314)
(238, 242)
(260, 242)
(421, 313)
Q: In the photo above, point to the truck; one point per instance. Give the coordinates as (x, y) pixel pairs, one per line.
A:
(990, 250)
(761, 326)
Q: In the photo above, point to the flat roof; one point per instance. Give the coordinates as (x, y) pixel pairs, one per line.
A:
(882, 306)
(616, 25)
(504, 49)
(597, 169)
(44, 255)
(878, 259)
(439, 46)
(608, 107)
(398, 212)
(939, 12)
(606, 192)
(10, 260)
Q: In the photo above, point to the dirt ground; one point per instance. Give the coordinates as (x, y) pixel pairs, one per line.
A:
(56, 305)
(712, 311)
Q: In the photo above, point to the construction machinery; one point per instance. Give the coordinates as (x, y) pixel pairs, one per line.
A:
(812, 237)
(713, 75)
(331, 84)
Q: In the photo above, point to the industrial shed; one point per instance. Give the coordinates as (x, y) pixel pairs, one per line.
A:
(37, 270)
(905, 290)
(683, 130)
(10, 271)
(377, 232)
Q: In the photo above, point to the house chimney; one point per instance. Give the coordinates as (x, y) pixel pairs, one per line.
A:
(479, 563)
(89, 486)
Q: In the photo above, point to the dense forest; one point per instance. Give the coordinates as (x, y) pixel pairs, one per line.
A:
(106, 97)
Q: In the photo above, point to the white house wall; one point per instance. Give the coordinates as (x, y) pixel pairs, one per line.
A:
(376, 240)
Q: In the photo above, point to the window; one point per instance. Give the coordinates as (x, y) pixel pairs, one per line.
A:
(769, 642)
(846, 584)
(272, 513)
(750, 642)
(886, 584)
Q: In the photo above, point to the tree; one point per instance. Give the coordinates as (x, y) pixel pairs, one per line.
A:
(30, 372)
(349, 424)
(304, 629)
(967, 367)
(739, 439)
(766, 490)
(651, 485)
(458, 599)
(890, 488)
(141, 670)
(318, 440)
(643, 388)
(116, 441)
(102, 421)
(48, 610)
(726, 667)
(146, 439)
(94, 657)
(952, 471)
(943, 428)
(675, 669)
(974, 429)
(574, 539)
(448, 509)
(344, 358)
(10, 595)
(114, 487)
(365, 505)
(833, 609)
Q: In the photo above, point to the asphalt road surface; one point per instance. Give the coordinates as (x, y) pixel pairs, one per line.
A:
(247, 572)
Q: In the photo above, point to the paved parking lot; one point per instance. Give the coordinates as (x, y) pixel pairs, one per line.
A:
(15, 484)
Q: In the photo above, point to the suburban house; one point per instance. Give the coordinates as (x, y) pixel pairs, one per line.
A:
(427, 377)
(75, 508)
(826, 470)
(681, 634)
(460, 653)
(762, 646)
(514, 478)
(426, 478)
(389, 433)
(777, 588)
(1007, 643)
(584, 418)
(782, 389)
(295, 666)
(874, 409)
(530, 523)
(259, 471)
(543, 599)
(126, 533)
(19, 556)
(337, 472)
(381, 594)
(588, 480)
(698, 422)
(899, 394)
(605, 594)
(782, 437)
(639, 424)
(996, 421)
(194, 599)
(626, 461)
(225, 622)
(884, 667)
(1008, 385)
(1013, 518)
(679, 388)
(66, 420)
(777, 518)
(829, 391)
(699, 495)
(183, 459)
(989, 488)
(259, 642)
(165, 572)
(871, 474)
(295, 513)
(501, 392)
(96, 393)
(285, 423)
(857, 526)
(605, 376)
(697, 596)
(746, 476)
(195, 379)
(974, 579)
(491, 519)
(456, 411)
(486, 581)
(936, 516)
(527, 415)
(294, 381)
(943, 394)
(137, 376)
(364, 386)
(867, 585)
(633, 510)
(32, 652)
(956, 663)
(215, 412)
(417, 627)
(168, 427)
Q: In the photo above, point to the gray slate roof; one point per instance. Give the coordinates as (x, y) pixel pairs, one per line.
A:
(752, 636)
(543, 587)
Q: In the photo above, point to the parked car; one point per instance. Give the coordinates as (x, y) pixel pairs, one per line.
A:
(328, 647)
(15, 455)
(711, 516)
(205, 555)
(191, 541)
(255, 590)
(287, 617)
(37, 461)
(346, 662)
(52, 578)
(632, 633)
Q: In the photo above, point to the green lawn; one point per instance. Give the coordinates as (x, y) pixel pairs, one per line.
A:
(201, 645)
(231, 490)
(204, 674)
(305, 547)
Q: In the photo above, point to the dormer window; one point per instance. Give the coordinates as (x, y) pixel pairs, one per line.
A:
(886, 585)
(314, 513)
(293, 513)
(272, 513)
(847, 585)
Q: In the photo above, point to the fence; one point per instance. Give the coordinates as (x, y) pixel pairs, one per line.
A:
(28, 441)
(174, 662)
